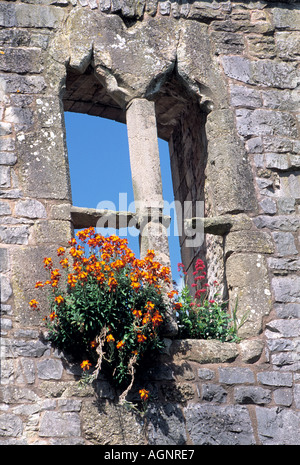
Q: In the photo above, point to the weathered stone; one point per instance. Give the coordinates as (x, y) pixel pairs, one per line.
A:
(252, 395)
(213, 425)
(285, 243)
(253, 122)
(213, 393)
(248, 241)
(30, 209)
(14, 235)
(10, 425)
(166, 425)
(275, 378)
(251, 350)
(203, 351)
(50, 369)
(56, 424)
(236, 375)
(278, 426)
(114, 425)
(286, 289)
(243, 269)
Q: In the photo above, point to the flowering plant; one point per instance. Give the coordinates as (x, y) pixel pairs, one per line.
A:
(204, 315)
(107, 306)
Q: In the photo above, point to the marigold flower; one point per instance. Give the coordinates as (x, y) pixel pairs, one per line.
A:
(39, 284)
(52, 316)
(59, 299)
(120, 344)
(85, 365)
(110, 338)
(144, 394)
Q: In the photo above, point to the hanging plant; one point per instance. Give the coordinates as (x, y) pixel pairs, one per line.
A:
(107, 307)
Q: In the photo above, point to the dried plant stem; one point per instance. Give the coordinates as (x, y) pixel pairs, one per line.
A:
(131, 368)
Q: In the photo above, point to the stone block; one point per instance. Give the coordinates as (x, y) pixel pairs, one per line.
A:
(252, 395)
(5, 289)
(278, 161)
(21, 60)
(285, 243)
(7, 15)
(4, 266)
(242, 96)
(30, 209)
(52, 232)
(285, 18)
(218, 425)
(49, 369)
(248, 241)
(14, 235)
(204, 351)
(278, 426)
(57, 424)
(7, 158)
(4, 209)
(284, 328)
(236, 376)
(38, 16)
(213, 393)
(251, 350)
(275, 378)
(283, 397)
(286, 289)
(249, 289)
(265, 123)
(10, 425)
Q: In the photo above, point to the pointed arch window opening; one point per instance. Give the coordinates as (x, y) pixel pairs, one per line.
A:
(101, 178)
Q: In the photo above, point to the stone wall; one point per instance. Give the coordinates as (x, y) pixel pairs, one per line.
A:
(224, 77)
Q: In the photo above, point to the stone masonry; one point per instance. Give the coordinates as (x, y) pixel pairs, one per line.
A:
(219, 80)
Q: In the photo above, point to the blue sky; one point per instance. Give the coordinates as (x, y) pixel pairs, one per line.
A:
(100, 170)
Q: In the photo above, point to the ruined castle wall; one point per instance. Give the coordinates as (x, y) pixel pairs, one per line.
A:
(235, 66)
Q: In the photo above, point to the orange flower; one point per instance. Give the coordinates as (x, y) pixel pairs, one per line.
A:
(34, 304)
(110, 338)
(72, 280)
(85, 365)
(120, 344)
(146, 319)
(177, 305)
(141, 338)
(39, 284)
(144, 394)
(64, 263)
(93, 344)
(59, 299)
(48, 262)
(60, 251)
(137, 313)
(52, 316)
(149, 305)
(157, 319)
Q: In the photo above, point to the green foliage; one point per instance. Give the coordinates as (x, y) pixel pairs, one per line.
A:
(201, 317)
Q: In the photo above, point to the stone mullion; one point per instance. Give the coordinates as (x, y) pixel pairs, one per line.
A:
(146, 177)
